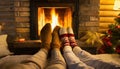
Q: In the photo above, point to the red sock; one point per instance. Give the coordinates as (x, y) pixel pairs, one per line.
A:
(65, 40)
(71, 37)
(64, 37)
(72, 40)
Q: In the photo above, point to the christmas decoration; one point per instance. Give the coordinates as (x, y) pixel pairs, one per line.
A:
(112, 38)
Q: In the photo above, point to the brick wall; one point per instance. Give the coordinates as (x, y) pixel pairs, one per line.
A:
(7, 20)
(22, 20)
(88, 15)
(14, 16)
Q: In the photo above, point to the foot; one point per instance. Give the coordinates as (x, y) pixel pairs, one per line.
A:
(71, 37)
(64, 37)
(55, 38)
(46, 36)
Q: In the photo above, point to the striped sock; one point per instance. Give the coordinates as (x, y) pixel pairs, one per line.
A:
(71, 37)
(64, 37)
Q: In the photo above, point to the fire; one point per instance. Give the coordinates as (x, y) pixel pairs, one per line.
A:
(54, 16)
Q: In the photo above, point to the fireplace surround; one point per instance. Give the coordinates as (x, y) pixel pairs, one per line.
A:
(18, 20)
(73, 5)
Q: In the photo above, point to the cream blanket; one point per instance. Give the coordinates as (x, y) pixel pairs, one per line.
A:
(112, 58)
(10, 60)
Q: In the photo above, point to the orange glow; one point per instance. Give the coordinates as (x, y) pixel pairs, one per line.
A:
(54, 15)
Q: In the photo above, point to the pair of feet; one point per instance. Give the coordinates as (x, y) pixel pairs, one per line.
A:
(67, 37)
(57, 37)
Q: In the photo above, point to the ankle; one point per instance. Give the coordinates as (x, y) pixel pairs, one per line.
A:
(46, 46)
(55, 45)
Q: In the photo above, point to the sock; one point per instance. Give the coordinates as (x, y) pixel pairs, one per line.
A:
(55, 38)
(71, 37)
(46, 36)
(64, 37)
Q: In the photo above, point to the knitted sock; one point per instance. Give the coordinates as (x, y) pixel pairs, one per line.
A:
(46, 36)
(55, 38)
(64, 37)
(71, 37)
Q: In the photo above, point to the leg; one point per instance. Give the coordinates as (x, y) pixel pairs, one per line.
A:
(75, 46)
(38, 60)
(86, 57)
(56, 61)
(90, 60)
(72, 60)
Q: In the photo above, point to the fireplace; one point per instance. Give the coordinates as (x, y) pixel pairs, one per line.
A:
(56, 12)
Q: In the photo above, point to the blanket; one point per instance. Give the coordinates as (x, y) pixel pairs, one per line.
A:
(14, 59)
(111, 58)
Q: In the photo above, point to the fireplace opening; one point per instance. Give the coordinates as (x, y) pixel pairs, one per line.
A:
(61, 16)
(60, 12)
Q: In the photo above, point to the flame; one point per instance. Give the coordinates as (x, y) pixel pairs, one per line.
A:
(54, 16)
(59, 18)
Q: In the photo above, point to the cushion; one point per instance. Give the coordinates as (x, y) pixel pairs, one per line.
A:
(4, 46)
